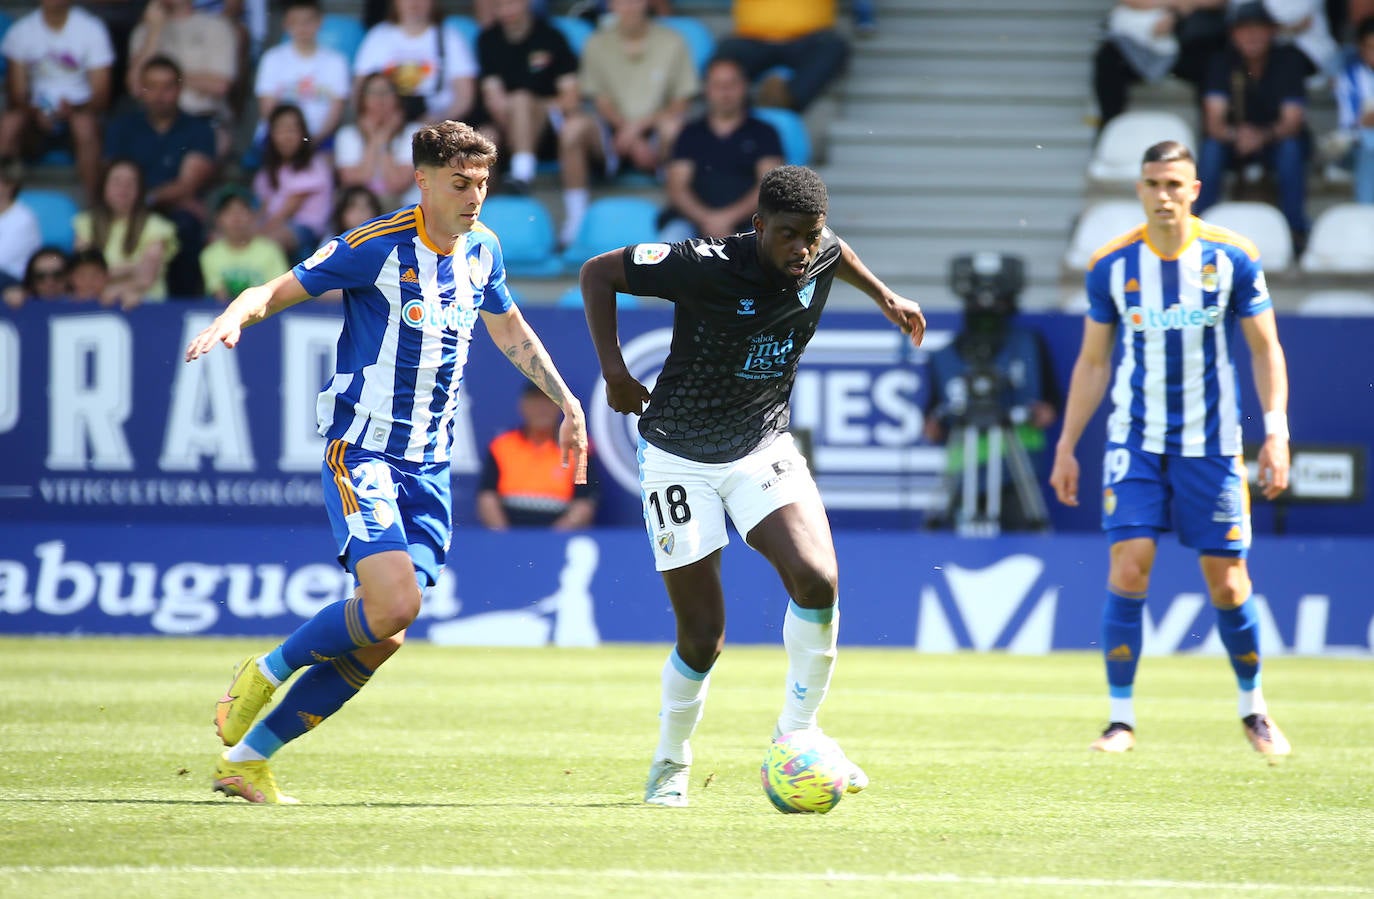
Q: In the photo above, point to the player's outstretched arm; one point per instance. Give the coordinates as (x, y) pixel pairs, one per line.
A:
(1087, 386)
(1271, 383)
(518, 342)
(600, 278)
(905, 314)
(248, 308)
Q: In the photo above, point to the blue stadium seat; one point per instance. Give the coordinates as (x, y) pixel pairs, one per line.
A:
(796, 140)
(5, 22)
(54, 211)
(700, 41)
(525, 229)
(466, 26)
(612, 222)
(572, 299)
(342, 33)
(575, 29)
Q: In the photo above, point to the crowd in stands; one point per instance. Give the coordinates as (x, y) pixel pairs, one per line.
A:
(1254, 68)
(205, 161)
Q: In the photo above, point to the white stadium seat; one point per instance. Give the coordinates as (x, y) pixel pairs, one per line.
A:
(1116, 158)
(1100, 223)
(1261, 223)
(1337, 302)
(1341, 242)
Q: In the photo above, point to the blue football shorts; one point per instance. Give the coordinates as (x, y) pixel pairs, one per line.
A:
(1205, 498)
(378, 503)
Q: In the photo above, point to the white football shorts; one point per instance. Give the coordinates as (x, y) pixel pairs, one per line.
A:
(685, 502)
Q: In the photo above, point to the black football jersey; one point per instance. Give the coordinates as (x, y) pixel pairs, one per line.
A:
(738, 334)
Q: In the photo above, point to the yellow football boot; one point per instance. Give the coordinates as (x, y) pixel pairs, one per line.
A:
(249, 780)
(236, 710)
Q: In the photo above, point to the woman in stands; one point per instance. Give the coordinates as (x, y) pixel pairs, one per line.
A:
(137, 242)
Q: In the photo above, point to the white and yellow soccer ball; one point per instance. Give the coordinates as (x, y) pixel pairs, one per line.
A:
(805, 771)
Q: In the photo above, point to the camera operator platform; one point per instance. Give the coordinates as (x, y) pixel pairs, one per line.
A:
(990, 387)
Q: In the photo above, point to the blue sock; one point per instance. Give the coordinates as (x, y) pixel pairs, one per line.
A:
(318, 693)
(336, 629)
(1239, 632)
(1122, 636)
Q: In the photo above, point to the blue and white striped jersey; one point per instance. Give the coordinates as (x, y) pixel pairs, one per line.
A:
(408, 317)
(1175, 390)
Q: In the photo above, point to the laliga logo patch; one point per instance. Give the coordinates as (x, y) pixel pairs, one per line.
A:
(321, 254)
(1109, 501)
(650, 253)
(666, 542)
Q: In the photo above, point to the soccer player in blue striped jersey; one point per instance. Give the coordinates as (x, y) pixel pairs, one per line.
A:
(414, 284)
(1171, 293)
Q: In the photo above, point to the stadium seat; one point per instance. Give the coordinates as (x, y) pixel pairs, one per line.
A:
(525, 229)
(466, 26)
(340, 32)
(1116, 158)
(572, 299)
(791, 128)
(701, 43)
(1098, 224)
(54, 211)
(1261, 223)
(1341, 242)
(612, 222)
(1337, 302)
(575, 29)
(5, 23)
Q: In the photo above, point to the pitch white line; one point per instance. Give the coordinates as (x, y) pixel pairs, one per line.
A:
(712, 876)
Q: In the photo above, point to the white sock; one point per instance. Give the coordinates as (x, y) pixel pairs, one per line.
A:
(575, 203)
(267, 672)
(1122, 709)
(243, 753)
(684, 701)
(810, 646)
(1252, 702)
(522, 166)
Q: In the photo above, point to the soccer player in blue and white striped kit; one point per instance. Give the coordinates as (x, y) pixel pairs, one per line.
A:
(414, 283)
(1171, 292)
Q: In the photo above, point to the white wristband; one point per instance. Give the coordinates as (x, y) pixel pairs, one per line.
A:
(1276, 424)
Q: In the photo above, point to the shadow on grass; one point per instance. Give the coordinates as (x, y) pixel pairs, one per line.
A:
(217, 801)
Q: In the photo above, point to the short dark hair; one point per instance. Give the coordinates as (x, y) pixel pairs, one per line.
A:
(162, 61)
(88, 256)
(793, 188)
(1167, 151)
(1364, 29)
(302, 4)
(443, 142)
(734, 61)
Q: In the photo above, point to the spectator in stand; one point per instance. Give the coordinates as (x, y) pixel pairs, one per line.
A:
(431, 66)
(137, 243)
(206, 48)
(353, 206)
(302, 72)
(175, 152)
(239, 256)
(799, 35)
(88, 276)
(294, 185)
(119, 17)
(20, 234)
(1304, 25)
(718, 161)
(1355, 106)
(57, 85)
(45, 278)
(373, 151)
(524, 482)
(1124, 58)
(1255, 114)
(641, 77)
(531, 95)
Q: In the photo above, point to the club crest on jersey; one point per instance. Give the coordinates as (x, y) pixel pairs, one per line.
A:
(746, 307)
(650, 253)
(321, 254)
(1210, 279)
(479, 267)
(1109, 501)
(807, 292)
(666, 542)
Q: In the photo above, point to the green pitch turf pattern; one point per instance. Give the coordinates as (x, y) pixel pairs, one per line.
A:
(495, 772)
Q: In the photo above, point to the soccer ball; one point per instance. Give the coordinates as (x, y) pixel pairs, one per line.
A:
(804, 771)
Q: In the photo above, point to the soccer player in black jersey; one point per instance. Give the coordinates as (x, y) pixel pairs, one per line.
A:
(714, 439)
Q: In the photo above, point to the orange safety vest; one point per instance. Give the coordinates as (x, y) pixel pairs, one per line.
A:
(531, 475)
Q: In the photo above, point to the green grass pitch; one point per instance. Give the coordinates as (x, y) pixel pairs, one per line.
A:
(497, 772)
